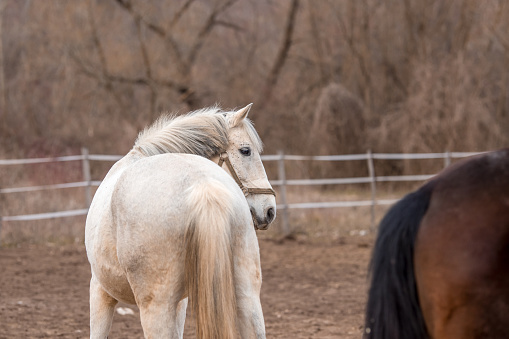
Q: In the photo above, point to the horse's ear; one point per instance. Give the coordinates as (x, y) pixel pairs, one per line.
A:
(240, 115)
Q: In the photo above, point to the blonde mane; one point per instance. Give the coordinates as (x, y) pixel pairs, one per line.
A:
(204, 132)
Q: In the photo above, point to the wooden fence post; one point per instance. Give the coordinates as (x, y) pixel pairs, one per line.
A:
(371, 169)
(282, 193)
(87, 176)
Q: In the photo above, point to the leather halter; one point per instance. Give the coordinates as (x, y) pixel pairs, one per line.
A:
(223, 158)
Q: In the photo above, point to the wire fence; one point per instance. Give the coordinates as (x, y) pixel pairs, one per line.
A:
(281, 181)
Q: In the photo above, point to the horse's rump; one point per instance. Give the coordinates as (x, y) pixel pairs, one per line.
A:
(462, 251)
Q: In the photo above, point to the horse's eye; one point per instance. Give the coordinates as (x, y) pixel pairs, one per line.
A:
(245, 151)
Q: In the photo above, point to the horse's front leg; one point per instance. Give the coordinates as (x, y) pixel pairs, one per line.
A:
(102, 306)
(248, 283)
(251, 323)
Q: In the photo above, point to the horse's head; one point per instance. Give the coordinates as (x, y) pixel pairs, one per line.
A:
(243, 161)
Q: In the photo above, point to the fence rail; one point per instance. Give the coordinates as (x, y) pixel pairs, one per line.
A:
(281, 181)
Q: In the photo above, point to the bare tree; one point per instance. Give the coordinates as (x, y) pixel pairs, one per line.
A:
(184, 58)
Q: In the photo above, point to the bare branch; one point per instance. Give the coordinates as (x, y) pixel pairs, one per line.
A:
(286, 44)
(121, 79)
(180, 13)
(158, 30)
(144, 52)
(105, 78)
(230, 25)
(183, 62)
(206, 30)
(352, 44)
(3, 88)
(148, 71)
(325, 72)
(96, 41)
(282, 54)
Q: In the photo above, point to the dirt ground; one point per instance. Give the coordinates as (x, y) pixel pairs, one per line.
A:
(310, 290)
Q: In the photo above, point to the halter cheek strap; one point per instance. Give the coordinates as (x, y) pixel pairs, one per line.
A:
(223, 158)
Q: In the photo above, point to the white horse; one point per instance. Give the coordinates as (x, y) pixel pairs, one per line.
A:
(166, 227)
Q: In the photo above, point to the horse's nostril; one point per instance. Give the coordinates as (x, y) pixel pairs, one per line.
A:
(270, 215)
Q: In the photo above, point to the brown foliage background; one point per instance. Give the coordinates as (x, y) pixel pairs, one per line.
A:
(325, 76)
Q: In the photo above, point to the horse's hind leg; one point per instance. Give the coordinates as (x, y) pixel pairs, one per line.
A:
(159, 318)
(250, 316)
(158, 300)
(102, 306)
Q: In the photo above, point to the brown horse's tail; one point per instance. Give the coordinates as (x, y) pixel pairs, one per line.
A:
(209, 260)
(393, 310)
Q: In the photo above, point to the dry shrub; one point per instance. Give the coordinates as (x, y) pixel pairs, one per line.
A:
(338, 128)
(447, 109)
(338, 124)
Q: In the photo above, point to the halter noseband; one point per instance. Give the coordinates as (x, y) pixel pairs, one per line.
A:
(223, 158)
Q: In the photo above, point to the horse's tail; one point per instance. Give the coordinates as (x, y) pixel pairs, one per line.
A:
(393, 310)
(209, 260)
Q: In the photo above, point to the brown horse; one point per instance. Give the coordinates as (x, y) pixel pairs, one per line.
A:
(440, 266)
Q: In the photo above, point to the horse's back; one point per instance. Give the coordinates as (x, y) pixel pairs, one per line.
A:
(462, 251)
(149, 200)
(155, 188)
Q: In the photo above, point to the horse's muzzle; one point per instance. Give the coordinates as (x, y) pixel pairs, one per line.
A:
(261, 227)
(268, 218)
